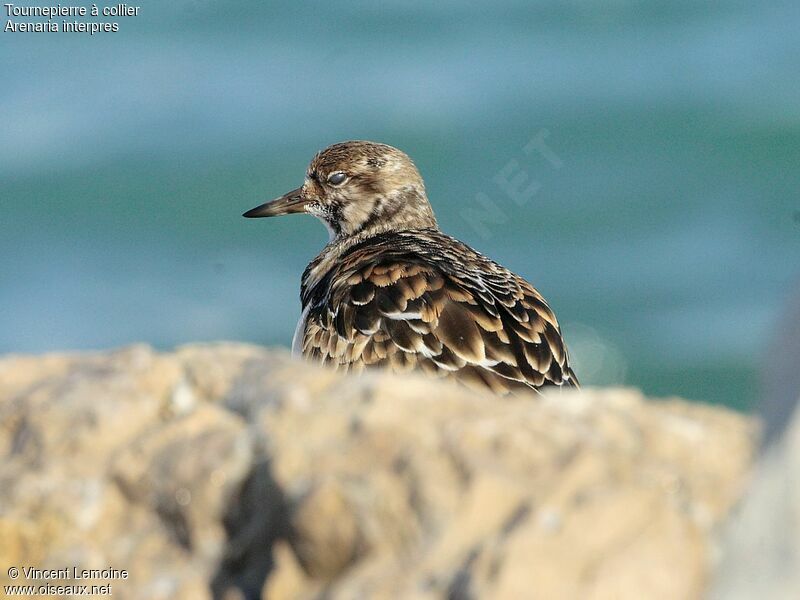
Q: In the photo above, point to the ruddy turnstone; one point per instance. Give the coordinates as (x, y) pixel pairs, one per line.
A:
(391, 290)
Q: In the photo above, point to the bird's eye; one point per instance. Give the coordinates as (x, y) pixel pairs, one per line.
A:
(337, 178)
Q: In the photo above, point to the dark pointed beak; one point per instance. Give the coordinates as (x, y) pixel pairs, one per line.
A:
(290, 202)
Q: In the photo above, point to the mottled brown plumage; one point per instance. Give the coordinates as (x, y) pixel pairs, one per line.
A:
(390, 290)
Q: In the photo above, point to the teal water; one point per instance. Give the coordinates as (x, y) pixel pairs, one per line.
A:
(664, 227)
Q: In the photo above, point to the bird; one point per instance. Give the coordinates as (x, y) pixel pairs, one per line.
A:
(391, 290)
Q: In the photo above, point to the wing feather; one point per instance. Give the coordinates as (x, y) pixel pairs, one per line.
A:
(395, 307)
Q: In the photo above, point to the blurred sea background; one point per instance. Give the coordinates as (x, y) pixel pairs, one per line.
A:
(664, 228)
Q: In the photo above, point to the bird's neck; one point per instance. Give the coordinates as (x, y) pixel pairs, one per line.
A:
(364, 215)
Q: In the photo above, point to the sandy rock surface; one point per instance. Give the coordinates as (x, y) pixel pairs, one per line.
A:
(231, 471)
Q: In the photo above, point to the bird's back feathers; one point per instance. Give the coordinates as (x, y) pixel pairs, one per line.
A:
(420, 299)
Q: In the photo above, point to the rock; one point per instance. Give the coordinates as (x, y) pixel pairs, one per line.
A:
(761, 545)
(230, 471)
(760, 556)
(780, 378)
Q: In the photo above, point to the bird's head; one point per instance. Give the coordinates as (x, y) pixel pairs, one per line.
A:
(358, 188)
